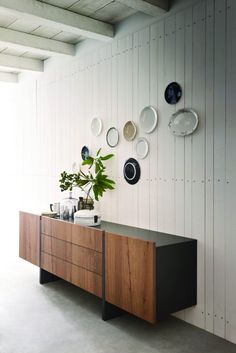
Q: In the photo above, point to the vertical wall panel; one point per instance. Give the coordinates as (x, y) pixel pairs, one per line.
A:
(161, 125)
(198, 155)
(209, 245)
(143, 100)
(219, 170)
(153, 139)
(169, 140)
(230, 219)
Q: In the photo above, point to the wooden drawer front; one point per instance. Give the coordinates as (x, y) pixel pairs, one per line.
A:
(46, 243)
(61, 230)
(89, 281)
(87, 237)
(46, 226)
(56, 247)
(86, 258)
(56, 266)
(131, 275)
(46, 262)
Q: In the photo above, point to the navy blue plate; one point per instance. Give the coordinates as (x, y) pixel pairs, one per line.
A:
(173, 93)
(85, 153)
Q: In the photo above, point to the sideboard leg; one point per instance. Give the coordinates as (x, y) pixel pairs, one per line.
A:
(46, 277)
(110, 311)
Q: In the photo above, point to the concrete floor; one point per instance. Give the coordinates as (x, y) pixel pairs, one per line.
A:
(59, 317)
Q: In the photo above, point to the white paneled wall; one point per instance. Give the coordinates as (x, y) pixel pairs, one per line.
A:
(188, 185)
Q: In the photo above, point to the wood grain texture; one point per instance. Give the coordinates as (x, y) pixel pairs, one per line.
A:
(46, 262)
(61, 229)
(56, 247)
(131, 275)
(46, 225)
(56, 266)
(86, 258)
(29, 237)
(89, 281)
(46, 243)
(87, 237)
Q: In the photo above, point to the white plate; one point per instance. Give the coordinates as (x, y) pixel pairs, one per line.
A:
(112, 137)
(96, 126)
(184, 122)
(148, 119)
(129, 130)
(141, 148)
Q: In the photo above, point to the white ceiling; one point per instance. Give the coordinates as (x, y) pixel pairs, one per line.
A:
(15, 19)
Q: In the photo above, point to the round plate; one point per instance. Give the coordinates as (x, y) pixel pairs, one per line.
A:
(85, 153)
(183, 122)
(141, 147)
(112, 137)
(148, 119)
(131, 171)
(96, 126)
(173, 93)
(129, 130)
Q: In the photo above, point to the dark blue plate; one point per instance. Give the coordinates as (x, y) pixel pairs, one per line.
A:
(173, 93)
(85, 153)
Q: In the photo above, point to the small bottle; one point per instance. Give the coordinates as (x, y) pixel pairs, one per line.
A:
(81, 203)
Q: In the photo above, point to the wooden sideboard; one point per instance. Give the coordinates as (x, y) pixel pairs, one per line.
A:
(145, 273)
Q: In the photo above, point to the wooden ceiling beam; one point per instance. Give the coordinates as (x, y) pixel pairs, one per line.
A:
(58, 18)
(19, 63)
(150, 7)
(33, 43)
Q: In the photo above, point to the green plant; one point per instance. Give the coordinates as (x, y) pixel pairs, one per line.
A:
(94, 179)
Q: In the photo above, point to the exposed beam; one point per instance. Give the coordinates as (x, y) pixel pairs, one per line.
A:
(58, 18)
(8, 77)
(150, 7)
(20, 63)
(29, 42)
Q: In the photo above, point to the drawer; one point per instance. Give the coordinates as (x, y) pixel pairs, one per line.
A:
(46, 243)
(56, 266)
(56, 247)
(46, 225)
(87, 258)
(87, 237)
(89, 281)
(61, 230)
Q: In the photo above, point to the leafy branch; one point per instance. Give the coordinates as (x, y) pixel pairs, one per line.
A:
(95, 179)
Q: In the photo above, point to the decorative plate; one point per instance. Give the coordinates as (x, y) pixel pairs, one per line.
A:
(85, 153)
(173, 93)
(148, 119)
(96, 126)
(129, 130)
(131, 171)
(184, 122)
(112, 137)
(141, 148)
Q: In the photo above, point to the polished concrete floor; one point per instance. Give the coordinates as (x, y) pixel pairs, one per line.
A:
(61, 318)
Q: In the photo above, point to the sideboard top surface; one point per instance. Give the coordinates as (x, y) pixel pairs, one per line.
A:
(159, 238)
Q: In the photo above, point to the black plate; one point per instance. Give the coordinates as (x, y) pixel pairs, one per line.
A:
(85, 153)
(173, 93)
(131, 171)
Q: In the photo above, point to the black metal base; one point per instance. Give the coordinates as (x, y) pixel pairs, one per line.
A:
(110, 311)
(46, 277)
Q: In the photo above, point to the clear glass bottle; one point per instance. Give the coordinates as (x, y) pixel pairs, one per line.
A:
(70, 203)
